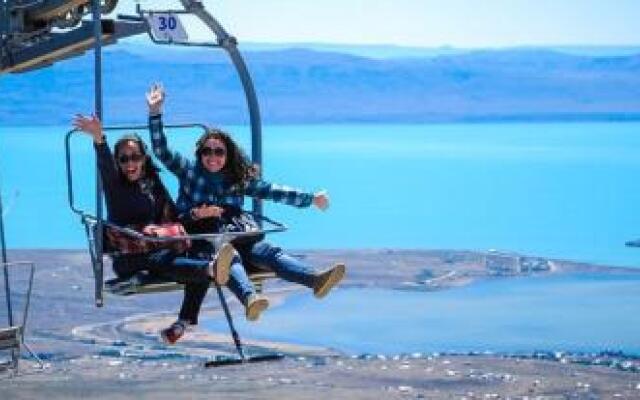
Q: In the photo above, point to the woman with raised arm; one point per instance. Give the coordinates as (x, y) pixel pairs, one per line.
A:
(212, 190)
(136, 198)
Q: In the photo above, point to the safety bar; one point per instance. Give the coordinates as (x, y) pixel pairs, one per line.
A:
(210, 237)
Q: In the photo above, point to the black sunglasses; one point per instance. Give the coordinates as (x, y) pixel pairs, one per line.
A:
(216, 151)
(123, 159)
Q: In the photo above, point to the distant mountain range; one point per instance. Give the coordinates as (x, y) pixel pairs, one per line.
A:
(320, 85)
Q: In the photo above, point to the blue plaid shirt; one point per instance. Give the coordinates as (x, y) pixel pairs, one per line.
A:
(199, 186)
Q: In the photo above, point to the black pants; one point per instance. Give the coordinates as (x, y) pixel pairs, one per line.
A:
(192, 272)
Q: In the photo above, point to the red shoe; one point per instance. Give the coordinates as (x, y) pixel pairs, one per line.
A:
(173, 333)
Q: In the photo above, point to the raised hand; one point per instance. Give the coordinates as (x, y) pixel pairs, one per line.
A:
(155, 99)
(321, 200)
(90, 125)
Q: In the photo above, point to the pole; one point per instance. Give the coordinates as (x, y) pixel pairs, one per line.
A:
(5, 266)
(97, 33)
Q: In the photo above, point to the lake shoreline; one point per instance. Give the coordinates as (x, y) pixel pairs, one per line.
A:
(116, 347)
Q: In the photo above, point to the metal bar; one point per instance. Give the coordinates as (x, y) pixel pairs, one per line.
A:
(33, 354)
(227, 314)
(5, 266)
(219, 237)
(97, 32)
(58, 46)
(25, 314)
(5, 24)
(67, 146)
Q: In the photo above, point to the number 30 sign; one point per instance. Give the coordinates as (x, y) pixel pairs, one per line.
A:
(167, 27)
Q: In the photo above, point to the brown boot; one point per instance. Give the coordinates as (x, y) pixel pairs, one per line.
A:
(326, 280)
(255, 305)
(221, 264)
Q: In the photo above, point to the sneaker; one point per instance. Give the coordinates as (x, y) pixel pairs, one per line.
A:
(325, 281)
(255, 305)
(173, 333)
(219, 267)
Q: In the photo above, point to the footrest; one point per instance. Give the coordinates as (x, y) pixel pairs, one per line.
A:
(143, 282)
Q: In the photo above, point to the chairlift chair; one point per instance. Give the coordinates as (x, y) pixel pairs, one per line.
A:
(12, 337)
(94, 224)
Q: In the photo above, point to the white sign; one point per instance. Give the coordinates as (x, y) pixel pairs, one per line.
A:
(166, 27)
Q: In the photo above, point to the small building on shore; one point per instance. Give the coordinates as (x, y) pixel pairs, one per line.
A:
(508, 263)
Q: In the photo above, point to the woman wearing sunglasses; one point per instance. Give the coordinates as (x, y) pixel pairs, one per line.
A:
(135, 197)
(214, 185)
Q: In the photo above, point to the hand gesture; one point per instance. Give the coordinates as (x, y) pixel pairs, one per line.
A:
(321, 200)
(90, 125)
(155, 99)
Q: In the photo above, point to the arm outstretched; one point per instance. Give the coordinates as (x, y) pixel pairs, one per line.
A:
(173, 160)
(286, 195)
(106, 163)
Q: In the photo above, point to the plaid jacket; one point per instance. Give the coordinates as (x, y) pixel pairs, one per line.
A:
(199, 186)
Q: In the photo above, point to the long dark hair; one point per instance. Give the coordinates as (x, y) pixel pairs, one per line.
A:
(150, 178)
(237, 169)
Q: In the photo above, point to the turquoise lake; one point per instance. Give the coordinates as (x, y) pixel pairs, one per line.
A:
(567, 190)
(577, 313)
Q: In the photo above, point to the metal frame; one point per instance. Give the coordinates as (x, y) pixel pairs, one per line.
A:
(38, 33)
(12, 338)
(223, 40)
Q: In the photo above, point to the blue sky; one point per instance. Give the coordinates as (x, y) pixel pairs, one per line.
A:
(426, 23)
